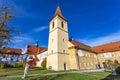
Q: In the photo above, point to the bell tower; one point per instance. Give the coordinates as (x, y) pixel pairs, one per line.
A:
(58, 57)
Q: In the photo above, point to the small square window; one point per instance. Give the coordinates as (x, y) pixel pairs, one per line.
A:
(103, 56)
(113, 55)
(63, 51)
(50, 67)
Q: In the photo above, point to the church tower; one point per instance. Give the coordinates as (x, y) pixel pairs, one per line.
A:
(58, 57)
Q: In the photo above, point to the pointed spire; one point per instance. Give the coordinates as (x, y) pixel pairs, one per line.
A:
(58, 12)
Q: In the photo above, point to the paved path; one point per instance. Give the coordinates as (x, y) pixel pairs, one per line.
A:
(45, 74)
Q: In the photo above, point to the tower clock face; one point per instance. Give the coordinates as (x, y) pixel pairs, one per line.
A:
(80, 53)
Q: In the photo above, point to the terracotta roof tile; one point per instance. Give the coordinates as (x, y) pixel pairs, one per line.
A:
(35, 50)
(80, 45)
(59, 13)
(11, 51)
(110, 47)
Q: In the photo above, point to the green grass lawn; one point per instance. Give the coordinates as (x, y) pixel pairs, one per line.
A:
(99, 73)
(19, 71)
(72, 76)
(75, 76)
(60, 77)
(107, 75)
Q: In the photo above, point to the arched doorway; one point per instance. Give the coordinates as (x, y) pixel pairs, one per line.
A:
(104, 65)
(64, 65)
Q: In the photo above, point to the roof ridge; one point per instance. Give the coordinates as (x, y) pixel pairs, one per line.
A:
(35, 46)
(106, 44)
(81, 43)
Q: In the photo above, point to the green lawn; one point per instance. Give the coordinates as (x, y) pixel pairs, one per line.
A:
(19, 71)
(60, 77)
(75, 76)
(107, 75)
(99, 73)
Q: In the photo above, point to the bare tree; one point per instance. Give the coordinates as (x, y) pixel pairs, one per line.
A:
(5, 16)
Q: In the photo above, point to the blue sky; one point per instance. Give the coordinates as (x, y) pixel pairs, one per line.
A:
(93, 22)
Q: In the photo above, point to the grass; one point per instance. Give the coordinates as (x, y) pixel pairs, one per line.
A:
(20, 71)
(60, 77)
(99, 73)
(72, 76)
(107, 75)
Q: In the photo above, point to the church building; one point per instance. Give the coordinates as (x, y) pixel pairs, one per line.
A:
(64, 53)
(68, 54)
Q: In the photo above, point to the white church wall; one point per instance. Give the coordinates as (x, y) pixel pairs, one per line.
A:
(41, 57)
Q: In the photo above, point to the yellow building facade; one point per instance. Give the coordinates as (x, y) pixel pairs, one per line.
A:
(58, 56)
(81, 56)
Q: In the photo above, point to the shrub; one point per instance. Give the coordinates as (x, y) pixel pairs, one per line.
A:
(24, 63)
(39, 68)
(3, 65)
(112, 64)
(43, 64)
(118, 70)
(15, 65)
(4, 56)
(20, 64)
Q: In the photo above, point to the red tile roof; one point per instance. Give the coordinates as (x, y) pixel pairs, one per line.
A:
(11, 51)
(59, 13)
(110, 47)
(35, 50)
(80, 45)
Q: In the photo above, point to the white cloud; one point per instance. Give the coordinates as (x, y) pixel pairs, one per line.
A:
(39, 29)
(101, 40)
(20, 41)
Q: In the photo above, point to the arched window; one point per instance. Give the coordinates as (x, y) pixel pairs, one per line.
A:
(63, 51)
(51, 51)
(52, 40)
(53, 24)
(63, 40)
(62, 24)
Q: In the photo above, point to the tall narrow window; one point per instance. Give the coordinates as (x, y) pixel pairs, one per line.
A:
(51, 51)
(52, 40)
(63, 51)
(63, 40)
(62, 24)
(53, 24)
